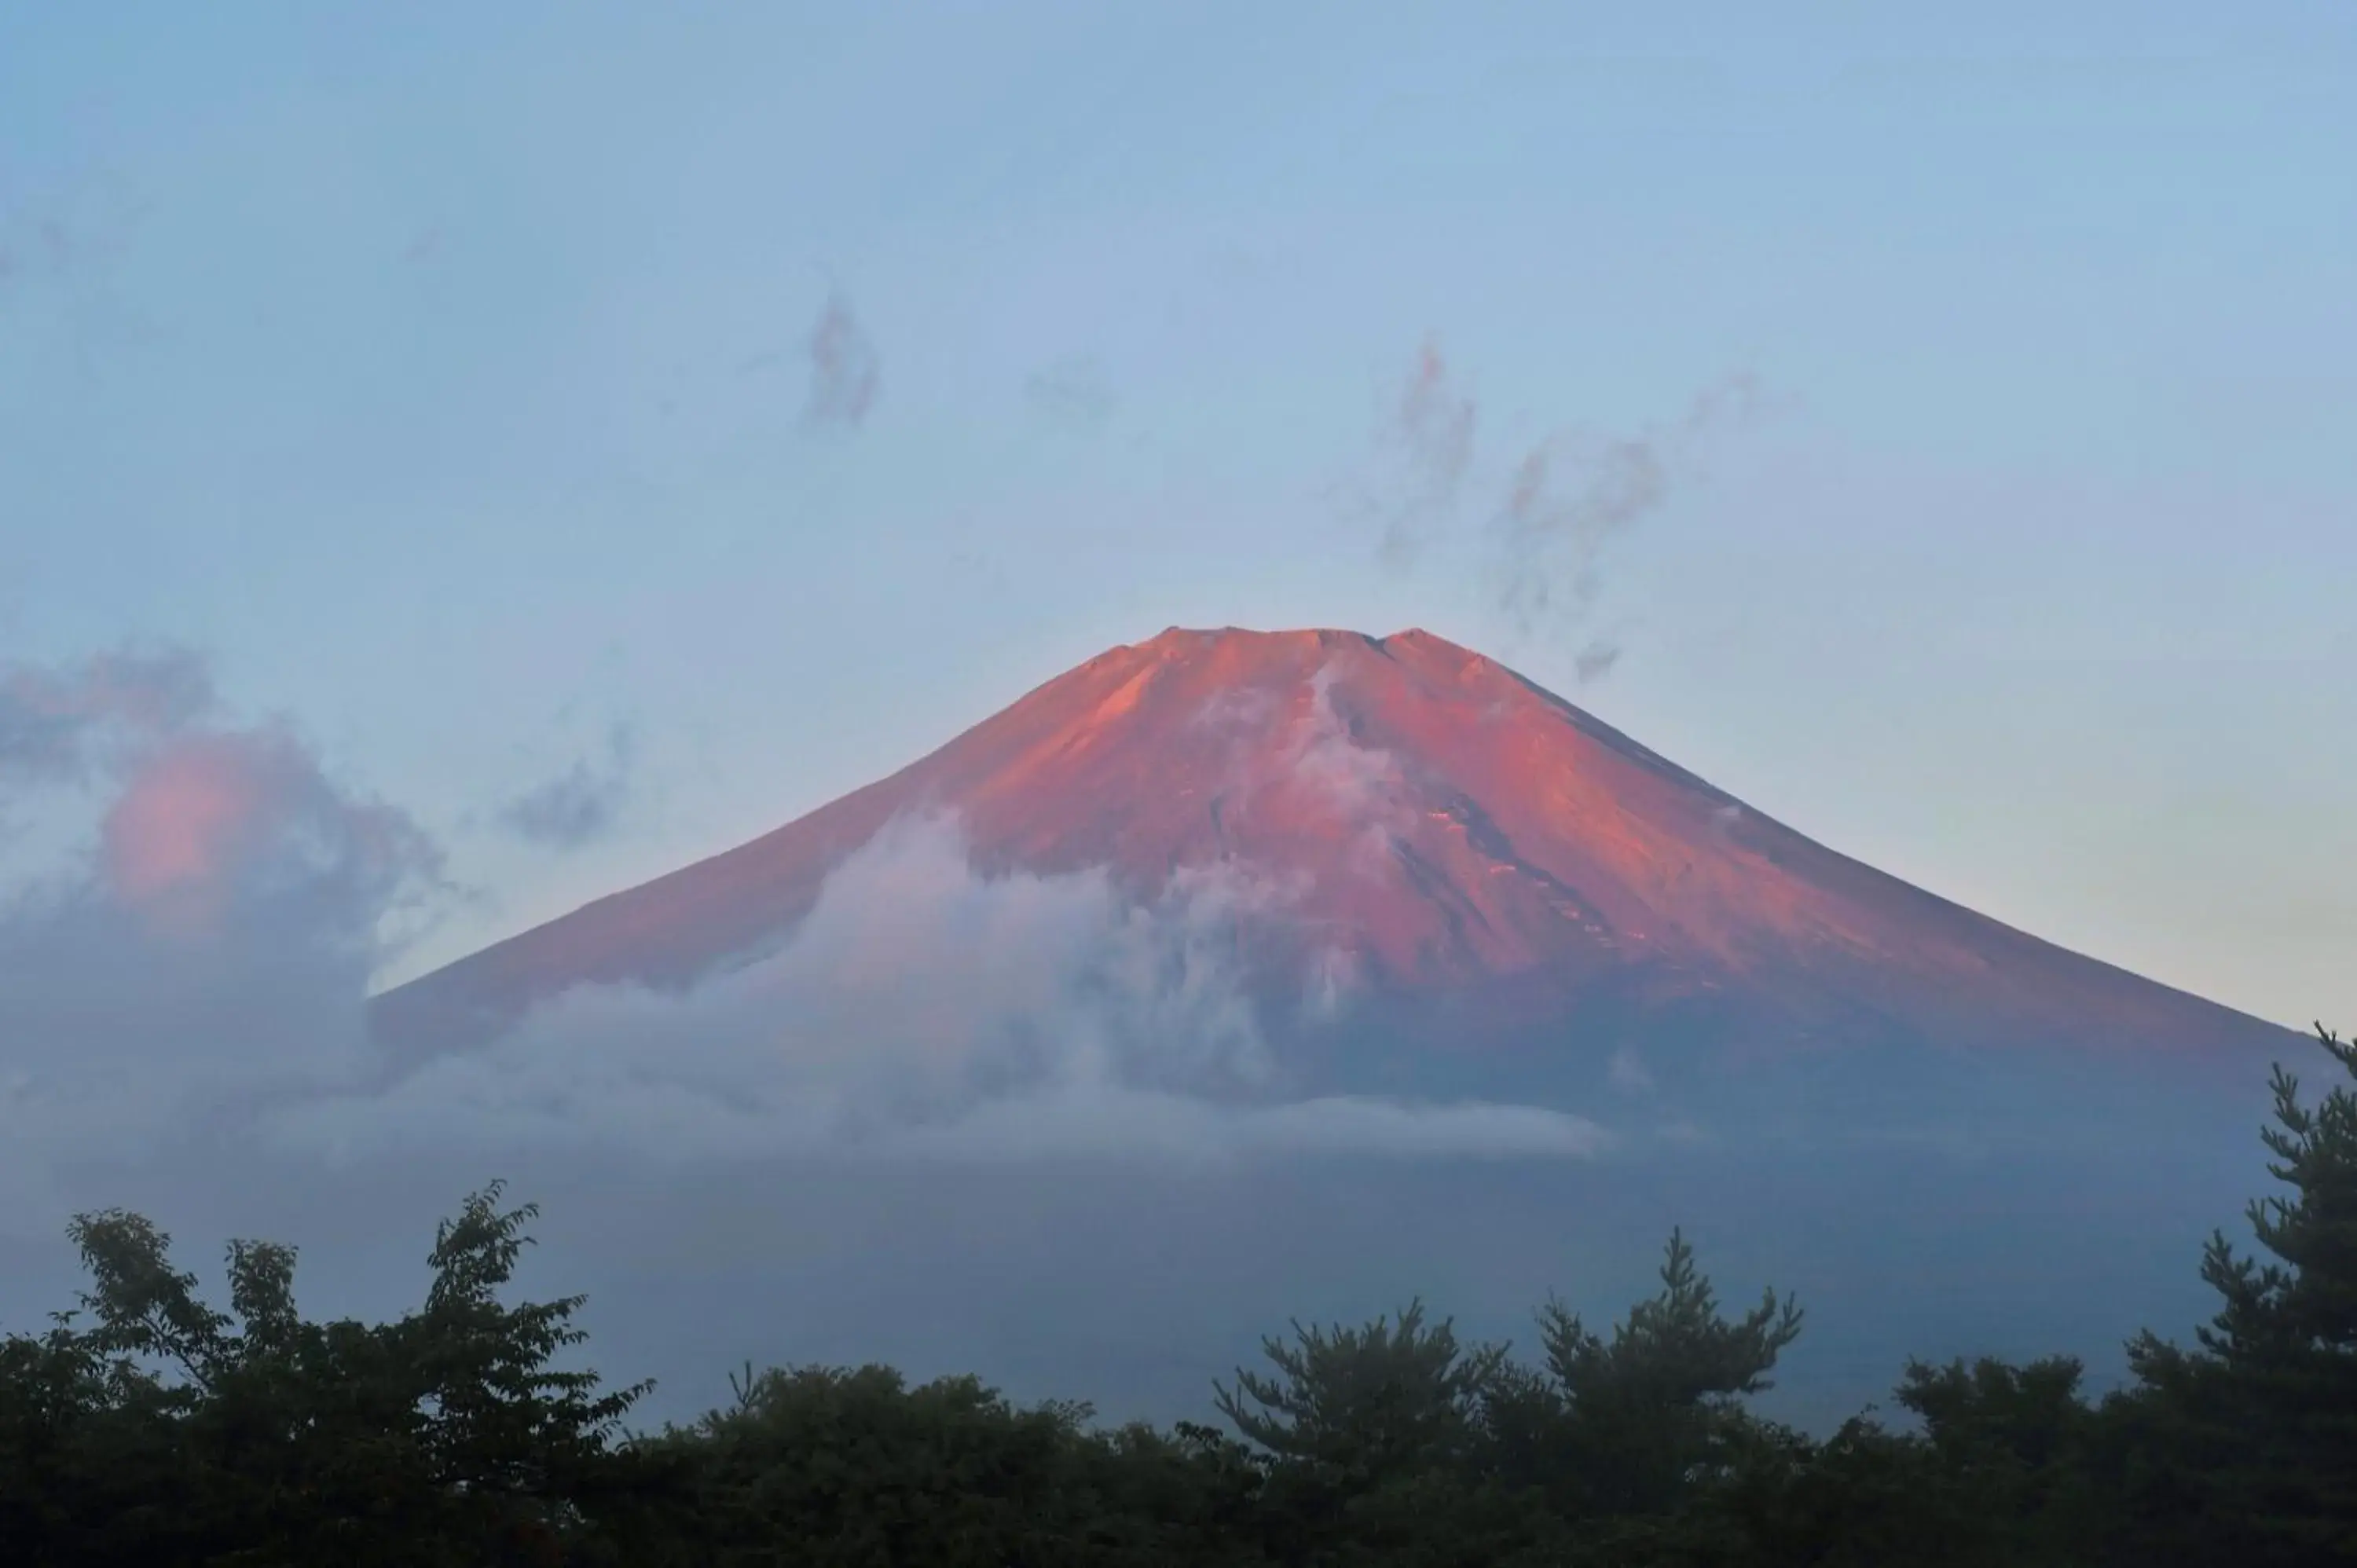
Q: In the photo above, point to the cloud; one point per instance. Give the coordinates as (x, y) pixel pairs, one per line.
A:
(1628, 1073)
(1424, 450)
(1562, 503)
(210, 907)
(923, 1013)
(1128, 1125)
(1595, 661)
(1573, 493)
(845, 370)
(1074, 391)
(579, 806)
(63, 247)
(1289, 741)
(1361, 783)
(1246, 710)
(1291, 749)
(55, 723)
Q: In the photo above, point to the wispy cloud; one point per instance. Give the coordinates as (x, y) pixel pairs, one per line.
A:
(57, 722)
(1423, 453)
(1073, 390)
(1561, 505)
(1628, 1073)
(579, 806)
(1595, 661)
(61, 249)
(1573, 493)
(845, 370)
(1287, 748)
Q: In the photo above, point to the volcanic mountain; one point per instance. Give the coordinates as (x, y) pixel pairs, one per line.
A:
(1413, 823)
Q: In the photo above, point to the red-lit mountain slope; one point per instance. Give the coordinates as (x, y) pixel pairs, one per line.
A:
(1426, 822)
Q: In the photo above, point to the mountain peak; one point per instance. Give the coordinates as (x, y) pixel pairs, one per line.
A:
(1245, 642)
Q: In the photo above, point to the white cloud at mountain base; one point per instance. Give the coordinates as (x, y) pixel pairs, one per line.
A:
(923, 1010)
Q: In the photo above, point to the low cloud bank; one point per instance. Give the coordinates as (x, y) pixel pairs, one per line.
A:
(923, 1010)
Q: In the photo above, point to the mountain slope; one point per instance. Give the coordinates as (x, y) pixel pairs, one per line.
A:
(1407, 820)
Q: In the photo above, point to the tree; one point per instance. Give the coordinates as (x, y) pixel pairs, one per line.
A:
(840, 1468)
(1375, 1442)
(1366, 1402)
(2010, 1446)
(158, 1434)
(1631, 1426)
(2246, 1444)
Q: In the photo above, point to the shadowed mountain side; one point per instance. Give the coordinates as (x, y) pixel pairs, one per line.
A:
(1393, 818)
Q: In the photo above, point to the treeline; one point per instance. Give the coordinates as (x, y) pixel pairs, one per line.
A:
(150, 1428)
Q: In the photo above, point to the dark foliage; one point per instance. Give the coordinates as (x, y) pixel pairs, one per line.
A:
(148, 1427)
(165, 1432)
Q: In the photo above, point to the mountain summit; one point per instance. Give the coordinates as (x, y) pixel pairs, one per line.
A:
(1413, 823)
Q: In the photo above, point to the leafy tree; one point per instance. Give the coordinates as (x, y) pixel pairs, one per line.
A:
(1192, 1495)
(854, 1469)
(169, 1432)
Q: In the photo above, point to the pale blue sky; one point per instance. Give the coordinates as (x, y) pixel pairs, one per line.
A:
(438, 370)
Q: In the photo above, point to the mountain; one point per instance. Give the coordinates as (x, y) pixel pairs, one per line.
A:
(1948, 1138)
(1410, 822)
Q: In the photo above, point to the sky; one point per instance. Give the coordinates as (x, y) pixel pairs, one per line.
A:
(446, 377)
(517, 450)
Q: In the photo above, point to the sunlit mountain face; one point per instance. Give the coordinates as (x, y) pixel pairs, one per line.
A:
(1397, 832)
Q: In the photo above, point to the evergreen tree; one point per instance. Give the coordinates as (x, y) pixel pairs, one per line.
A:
(1631, 1426)
(1366, 1402)
(1375, 1442)
(2246, 1444)
(2009, 1445)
